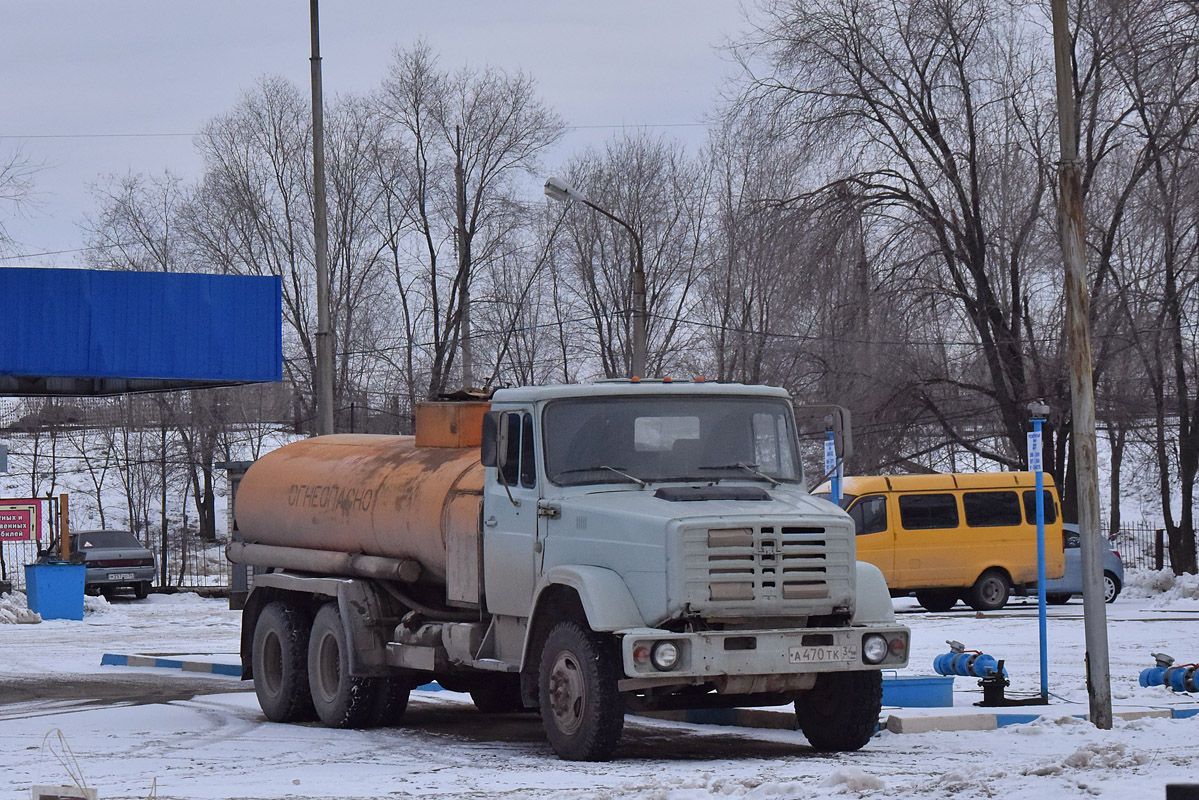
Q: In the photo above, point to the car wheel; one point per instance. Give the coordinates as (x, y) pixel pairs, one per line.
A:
(990, 592)
(141, 589)
(1057, 599)
(1111, 587)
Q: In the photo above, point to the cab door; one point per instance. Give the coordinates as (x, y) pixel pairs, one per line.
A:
(511, 547)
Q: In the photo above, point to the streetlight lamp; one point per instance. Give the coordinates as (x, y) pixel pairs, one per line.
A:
(560, 190)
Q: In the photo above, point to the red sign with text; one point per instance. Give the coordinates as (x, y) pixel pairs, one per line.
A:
(20, 520)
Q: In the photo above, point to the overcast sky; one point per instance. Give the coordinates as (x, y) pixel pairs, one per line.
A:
(100, 87)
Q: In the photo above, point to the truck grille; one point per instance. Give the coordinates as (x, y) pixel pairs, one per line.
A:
(767, 569)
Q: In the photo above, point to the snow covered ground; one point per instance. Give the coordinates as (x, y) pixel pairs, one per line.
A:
(218, 745)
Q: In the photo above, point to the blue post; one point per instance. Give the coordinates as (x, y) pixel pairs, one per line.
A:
(1036, 464)
(833, 466)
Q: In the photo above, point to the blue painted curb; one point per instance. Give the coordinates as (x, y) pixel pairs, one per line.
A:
(115, 660)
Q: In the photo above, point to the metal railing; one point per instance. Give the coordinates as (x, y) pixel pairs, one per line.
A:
(1142, 546)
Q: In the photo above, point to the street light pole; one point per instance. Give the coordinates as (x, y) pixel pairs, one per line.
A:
(558, 189)
(323, 383)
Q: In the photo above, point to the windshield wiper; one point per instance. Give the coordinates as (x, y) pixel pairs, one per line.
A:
(748, 468)
(617, 470)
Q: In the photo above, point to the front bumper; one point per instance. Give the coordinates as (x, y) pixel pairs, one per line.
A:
(798, 651)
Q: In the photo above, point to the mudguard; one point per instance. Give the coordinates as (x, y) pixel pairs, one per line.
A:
(606, 599)
(873, 605)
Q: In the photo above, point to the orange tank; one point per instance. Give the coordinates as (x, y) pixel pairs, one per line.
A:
(355, 493)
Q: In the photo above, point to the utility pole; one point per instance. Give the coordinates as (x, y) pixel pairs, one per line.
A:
(468, 361)
(1082, 389)
(323, 383)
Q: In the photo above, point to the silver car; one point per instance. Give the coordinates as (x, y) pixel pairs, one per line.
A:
(1061, 590)
(114, 560)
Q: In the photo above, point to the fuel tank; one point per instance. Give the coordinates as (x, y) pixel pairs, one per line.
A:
(358, 493)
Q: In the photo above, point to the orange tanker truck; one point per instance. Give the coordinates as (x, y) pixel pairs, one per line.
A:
(578, 550)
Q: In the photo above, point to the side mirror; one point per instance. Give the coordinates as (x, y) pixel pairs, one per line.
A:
(842, 432)
(832, 418)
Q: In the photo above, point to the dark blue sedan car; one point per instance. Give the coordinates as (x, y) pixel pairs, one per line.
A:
(1061, 590)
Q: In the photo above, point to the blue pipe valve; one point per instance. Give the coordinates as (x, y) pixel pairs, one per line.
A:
(1178, 679)
(970, 663)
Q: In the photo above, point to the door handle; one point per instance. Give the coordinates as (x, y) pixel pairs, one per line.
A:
(490, 522)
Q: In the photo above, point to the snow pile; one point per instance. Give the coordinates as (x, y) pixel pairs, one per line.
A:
(852, 779)
(96, 605)
(1162, 585)
(14, 609)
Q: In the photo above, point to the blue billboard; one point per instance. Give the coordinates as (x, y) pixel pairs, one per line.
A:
(81, 331)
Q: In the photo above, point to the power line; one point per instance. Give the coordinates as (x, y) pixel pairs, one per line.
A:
(92, 135)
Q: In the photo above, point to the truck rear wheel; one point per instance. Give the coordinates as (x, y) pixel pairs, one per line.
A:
(841, 711)
(990, 592)
(937, 599)
(581, 708)
(341, 701)
(279, 660)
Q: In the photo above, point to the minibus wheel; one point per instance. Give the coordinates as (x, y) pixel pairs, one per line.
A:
(990, 592)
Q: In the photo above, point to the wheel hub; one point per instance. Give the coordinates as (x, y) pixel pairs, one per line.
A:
(568, 693)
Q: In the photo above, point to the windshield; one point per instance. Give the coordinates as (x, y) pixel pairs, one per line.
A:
(643, 439)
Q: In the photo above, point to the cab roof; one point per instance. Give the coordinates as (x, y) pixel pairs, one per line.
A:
(630, 388)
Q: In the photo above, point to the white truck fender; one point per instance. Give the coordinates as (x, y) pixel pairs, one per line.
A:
(873, 606)
(606, 599)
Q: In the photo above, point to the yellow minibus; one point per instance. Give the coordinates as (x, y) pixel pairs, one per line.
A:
(968, 536)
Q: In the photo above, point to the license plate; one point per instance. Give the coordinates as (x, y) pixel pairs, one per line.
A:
(120, 576)
(823, 654)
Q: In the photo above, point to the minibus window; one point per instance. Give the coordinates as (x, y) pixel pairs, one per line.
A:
(991, 509)
(1030, 507)
(921, 511)
(869, 515)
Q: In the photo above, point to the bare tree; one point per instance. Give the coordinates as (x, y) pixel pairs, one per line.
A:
(16, 190)
(927, 114)
(653, 185)
(459, 142)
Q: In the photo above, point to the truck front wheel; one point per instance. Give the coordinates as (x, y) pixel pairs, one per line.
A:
(341, 701)
(841, 711)
(279, 660)
(581, 708)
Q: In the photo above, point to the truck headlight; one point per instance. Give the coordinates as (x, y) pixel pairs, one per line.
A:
(875, 648)
(665, 656)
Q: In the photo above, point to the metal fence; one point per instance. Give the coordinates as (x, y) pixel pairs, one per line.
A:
(192, 564)
(1142, 546)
